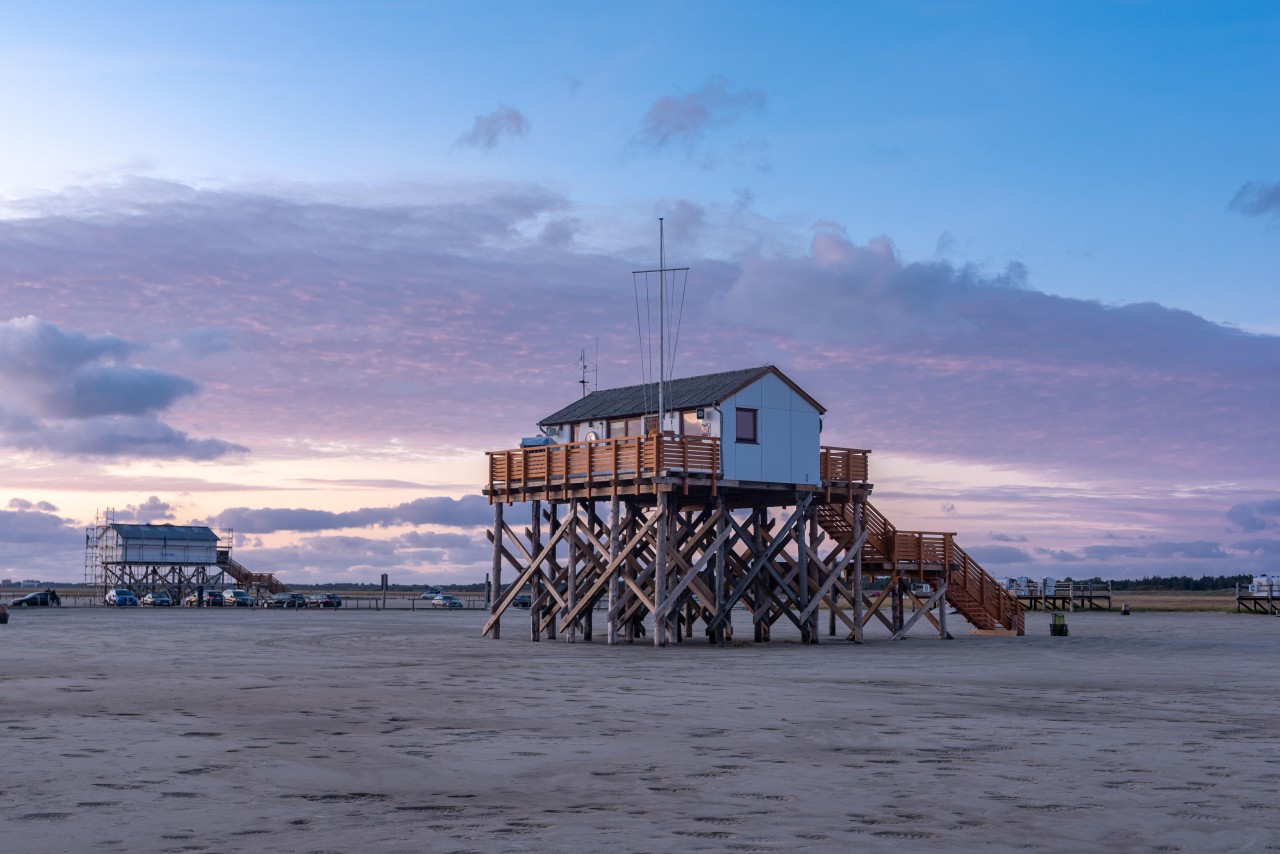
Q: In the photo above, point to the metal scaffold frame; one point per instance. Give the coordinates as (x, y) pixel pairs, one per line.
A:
(182, 572)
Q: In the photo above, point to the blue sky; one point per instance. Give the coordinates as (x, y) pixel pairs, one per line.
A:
(1004, 207)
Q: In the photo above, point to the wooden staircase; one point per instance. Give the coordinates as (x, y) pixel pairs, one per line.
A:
(970, 589)
(247, 580)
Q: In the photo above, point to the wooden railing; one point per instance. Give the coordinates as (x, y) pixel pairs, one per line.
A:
(602, 461)
(848, 465)
(970, 589)
(972, 582)
(244, 578)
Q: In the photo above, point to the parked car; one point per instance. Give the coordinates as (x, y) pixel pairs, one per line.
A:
(158, 599)
(237, 599)
(212, 599)
(524, 600)
(444, 600)
(39, 599)
(430, 594)
(122, 597)
(287, 600)
(325, 600)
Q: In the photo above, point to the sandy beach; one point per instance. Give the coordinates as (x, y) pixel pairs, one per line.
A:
(406, 731)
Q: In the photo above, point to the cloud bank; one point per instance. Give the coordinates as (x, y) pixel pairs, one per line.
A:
(448, 319)
(72, 393)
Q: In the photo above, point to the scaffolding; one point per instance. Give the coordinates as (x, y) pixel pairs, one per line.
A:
(178, 560)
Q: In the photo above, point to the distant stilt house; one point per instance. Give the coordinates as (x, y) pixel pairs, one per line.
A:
(723, 504)
(175, 559)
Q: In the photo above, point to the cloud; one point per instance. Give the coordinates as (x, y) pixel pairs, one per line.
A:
(684, 120)
(492, 128)
(970, 364)
(24, 504)
(1255, 516)
(24, 524)
(72, 393)
(434, 321)
(1006, 538)
(409, 559)
(468, 511)
(999, 555)
(1257, 198)
(151, 510)
(1263, 547)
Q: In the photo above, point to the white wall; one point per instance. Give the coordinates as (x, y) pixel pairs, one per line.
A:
(787, 425)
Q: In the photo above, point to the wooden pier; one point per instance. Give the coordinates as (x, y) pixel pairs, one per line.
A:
(1258, 598)
(1064, 595)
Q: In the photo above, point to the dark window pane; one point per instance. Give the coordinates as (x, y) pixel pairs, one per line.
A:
(747, 425)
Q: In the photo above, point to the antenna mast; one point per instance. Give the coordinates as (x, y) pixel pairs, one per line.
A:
(662, 271)
(587, 368)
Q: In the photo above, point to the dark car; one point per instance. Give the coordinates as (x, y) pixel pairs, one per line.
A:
(237, 599)
(325, 600)
(287, 600)
(39, 599)
(524, 600)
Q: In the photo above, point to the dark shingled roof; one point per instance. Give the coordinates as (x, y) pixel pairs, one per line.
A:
(686, 393)
(173, 532)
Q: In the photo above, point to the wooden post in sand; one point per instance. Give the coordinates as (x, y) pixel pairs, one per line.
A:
(553, 524)
(857, 575)
(662, 531)
(613, 582)
(719, 633)
(942, 608)
(802, 570)
(496, 575)
(535, 584)
(571, 581)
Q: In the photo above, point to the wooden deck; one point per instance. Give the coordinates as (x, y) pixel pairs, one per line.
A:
(1065, 596)
(638, 465)
(1263, 599)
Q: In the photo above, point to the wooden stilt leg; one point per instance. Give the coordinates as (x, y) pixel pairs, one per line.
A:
(496, 575)
(802, 573)
(554, 525)
(857, 577)
(613, 583)
(662, 531)
(719, 634)
(535, 585)
(571, 579)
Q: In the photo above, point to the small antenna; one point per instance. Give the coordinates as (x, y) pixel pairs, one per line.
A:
(587, 368)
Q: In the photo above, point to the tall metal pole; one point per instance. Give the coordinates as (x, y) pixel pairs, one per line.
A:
(662, 324)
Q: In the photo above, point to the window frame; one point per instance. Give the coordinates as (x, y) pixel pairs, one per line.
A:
(755, 426)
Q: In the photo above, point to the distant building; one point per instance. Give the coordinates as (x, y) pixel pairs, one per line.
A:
(31, 582)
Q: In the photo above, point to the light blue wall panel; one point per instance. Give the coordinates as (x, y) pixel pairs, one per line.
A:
(804, 444)
(788, 431)
(774, 393)
(775, 445)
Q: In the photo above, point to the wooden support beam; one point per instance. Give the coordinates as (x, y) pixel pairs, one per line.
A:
(494, 626)
(509, 595)
(761, 561)
(922, 609)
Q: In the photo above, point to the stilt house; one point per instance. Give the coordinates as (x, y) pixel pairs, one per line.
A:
(732, 502)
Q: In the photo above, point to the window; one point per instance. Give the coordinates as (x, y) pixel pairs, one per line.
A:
(617, 429)
(747, 431)
(691, 424)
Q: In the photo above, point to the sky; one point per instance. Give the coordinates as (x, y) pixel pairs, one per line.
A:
(291, 268)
